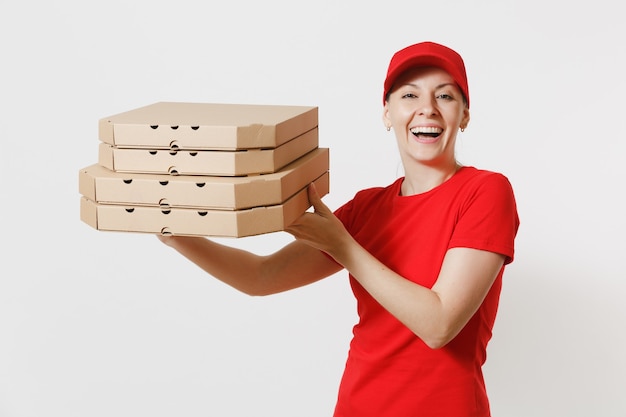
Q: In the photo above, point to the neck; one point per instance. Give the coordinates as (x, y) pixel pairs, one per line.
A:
(423, 178)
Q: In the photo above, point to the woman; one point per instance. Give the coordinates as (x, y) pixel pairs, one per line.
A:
(425, 255)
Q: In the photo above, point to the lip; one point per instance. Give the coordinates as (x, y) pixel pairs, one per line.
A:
(425, 139)
(435, 125)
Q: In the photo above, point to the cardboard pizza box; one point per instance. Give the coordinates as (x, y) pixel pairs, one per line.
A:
(195, 126)
(207, 162)
(102, 185)
(194, 222)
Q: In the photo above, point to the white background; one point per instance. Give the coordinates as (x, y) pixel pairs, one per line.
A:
(116, 324)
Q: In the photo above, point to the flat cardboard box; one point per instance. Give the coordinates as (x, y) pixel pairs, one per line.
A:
(207, 162)
(102, 185)
(195, 126)
(192, 222)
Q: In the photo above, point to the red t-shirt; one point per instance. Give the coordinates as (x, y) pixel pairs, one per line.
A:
(390, 372)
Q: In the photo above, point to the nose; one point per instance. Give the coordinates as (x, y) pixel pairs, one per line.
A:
(427, 105)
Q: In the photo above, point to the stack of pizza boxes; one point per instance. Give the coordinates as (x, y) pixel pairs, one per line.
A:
(204, 169)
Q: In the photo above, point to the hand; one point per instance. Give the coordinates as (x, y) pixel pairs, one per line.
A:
(320, 229)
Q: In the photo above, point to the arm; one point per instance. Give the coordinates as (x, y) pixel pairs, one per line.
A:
(295, 265)
(436, 315)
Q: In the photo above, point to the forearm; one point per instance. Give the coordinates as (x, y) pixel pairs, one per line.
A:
(434, 314)
(417, 307)
(293, 266)
(238, 268)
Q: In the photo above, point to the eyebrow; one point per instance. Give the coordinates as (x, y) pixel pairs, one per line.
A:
(436, 88)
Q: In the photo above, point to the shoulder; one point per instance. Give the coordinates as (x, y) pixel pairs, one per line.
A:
(487, 216)
(484, 193)
(478, 175)
(377, 193)
(368, 200)
(475, 179)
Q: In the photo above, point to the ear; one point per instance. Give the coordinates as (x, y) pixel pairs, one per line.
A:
(386, 119)
(465, 119)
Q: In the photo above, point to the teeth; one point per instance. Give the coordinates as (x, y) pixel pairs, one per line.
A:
(426, 129)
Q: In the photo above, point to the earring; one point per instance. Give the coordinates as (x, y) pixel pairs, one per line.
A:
(388, 128)
(462, 129)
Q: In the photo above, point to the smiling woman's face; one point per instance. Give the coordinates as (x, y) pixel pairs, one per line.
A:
(426, 109)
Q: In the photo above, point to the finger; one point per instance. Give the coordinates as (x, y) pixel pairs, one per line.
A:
(313, 194)
(316, 200)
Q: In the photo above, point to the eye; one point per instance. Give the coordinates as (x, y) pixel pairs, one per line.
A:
(409, 95)
(445, 96)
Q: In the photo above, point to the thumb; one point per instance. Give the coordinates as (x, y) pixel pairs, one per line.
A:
(316, 201)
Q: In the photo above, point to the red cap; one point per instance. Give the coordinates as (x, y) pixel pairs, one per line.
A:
(427, 54)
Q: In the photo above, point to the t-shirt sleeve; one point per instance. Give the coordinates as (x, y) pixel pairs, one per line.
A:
(488, 220)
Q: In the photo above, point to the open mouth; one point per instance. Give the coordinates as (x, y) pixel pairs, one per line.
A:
(426, 132)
